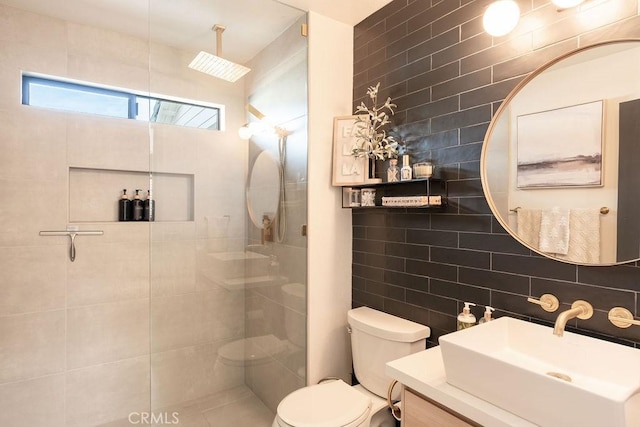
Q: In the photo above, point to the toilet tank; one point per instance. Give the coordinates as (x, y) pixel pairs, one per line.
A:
(378, 338)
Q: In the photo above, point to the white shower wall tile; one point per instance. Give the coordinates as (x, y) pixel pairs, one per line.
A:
(33, 278)
(108, 272)
(19, 26)
(31, 345)
(173, 231)
(22, 219)
(195, 318)
(33, 403)
(108, 143)
(106, 45)
(190, 373)
(105, 393)
(32, 153)
(173, 267)
(107, 332)
(174, 148)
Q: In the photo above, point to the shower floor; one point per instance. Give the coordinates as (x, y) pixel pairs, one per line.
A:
(237, 407)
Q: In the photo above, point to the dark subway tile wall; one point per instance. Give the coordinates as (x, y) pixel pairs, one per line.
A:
(448, 78)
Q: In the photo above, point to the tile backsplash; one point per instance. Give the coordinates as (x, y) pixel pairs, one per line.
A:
(448, 78)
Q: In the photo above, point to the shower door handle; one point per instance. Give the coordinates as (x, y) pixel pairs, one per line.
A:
(72, 238)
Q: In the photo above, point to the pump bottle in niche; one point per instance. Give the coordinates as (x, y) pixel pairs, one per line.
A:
(124, 207)
(149, 208)
(137, 207)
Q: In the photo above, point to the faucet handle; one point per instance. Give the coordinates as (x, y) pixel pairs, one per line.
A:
(548, 302)
(622, 318)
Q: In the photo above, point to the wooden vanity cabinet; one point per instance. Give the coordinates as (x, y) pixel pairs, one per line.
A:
(418, 411)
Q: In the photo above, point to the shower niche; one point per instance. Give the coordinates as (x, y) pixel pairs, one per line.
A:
(94, 193)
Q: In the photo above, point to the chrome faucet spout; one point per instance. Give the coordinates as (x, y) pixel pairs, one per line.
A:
(580, 309)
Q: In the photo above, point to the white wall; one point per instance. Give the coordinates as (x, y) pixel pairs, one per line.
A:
(329, 249)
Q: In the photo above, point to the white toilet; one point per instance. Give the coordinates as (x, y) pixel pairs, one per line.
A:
(376, 338)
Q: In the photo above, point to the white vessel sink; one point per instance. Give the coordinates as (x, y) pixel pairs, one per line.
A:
(548, 380)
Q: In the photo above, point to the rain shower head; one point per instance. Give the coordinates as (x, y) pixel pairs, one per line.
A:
(215, 65)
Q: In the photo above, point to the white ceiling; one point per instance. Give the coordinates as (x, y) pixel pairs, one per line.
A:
(251, 24)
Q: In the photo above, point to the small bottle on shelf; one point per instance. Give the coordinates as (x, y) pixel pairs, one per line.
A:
(149, 208)
(137, 207)
(124, 207)
(393, 172)
(405, 172)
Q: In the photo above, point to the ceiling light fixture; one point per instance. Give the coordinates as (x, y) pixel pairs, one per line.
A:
(566, 4)
(215, 65)
(501, 17)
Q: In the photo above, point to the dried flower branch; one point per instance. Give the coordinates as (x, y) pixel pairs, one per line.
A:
(372, 139)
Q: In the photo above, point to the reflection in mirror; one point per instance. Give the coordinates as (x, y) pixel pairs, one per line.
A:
(559, 161)
(263, 190)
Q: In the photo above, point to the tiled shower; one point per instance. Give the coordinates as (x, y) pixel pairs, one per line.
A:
(135, 324)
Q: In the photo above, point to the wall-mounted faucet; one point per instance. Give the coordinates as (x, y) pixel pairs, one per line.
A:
(580, 309)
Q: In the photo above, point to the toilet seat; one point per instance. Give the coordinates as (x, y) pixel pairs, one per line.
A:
(330, 404)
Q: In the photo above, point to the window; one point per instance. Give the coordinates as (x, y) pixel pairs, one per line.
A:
(82, 98)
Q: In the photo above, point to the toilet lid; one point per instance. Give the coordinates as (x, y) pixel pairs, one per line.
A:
(329, 404)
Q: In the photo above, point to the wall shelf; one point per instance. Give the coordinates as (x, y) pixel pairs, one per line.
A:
(416, 187)
(94, 194)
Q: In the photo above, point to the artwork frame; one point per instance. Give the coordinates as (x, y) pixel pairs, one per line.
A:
(561, 148)
(347, 169)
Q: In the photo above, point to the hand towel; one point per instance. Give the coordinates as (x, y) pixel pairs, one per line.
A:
(554, 231)
(529, 226)
(584, 240)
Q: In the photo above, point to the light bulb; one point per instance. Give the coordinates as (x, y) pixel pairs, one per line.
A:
(565, 4)
(244, 132)
(501, 17)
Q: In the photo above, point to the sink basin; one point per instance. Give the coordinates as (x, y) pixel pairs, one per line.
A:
(548, 380)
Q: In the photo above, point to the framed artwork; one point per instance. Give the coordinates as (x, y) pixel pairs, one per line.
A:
(347, 170)
(561, 147)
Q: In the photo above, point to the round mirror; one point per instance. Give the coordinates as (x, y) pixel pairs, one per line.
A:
(559, 164)
(263, 190)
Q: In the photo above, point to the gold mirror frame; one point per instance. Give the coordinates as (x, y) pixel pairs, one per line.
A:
(494, 123)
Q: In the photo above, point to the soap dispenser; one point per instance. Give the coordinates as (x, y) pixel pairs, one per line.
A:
(466, 319)
(487, 315)
(124, 207)
(137, 207)
(149, 208)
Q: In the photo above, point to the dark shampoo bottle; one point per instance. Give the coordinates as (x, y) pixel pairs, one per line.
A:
(137, 206)
(149, 208)
(124, 207)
